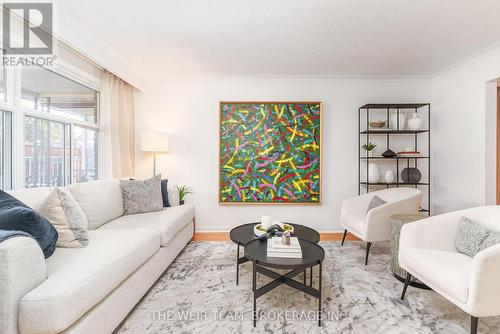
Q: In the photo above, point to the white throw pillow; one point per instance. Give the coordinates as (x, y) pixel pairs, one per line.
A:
(62, 211)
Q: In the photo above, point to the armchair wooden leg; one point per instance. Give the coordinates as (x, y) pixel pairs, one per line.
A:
(407, 281)
(343, 238)
(368, 245)
(473, 325)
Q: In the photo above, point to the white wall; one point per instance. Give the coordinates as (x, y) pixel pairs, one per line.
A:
(464, 151)
(187, 109)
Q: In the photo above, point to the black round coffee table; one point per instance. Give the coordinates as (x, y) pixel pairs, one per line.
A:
(243, 234)
(312, 255)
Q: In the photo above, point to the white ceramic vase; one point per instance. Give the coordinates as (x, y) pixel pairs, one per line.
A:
(389, 176)
(265, 221)
(402, 120)
(415, 121)
(373, 173)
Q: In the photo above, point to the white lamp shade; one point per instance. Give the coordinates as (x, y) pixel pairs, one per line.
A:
(154, 141)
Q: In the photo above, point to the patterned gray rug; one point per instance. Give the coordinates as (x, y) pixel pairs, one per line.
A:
(198, 294)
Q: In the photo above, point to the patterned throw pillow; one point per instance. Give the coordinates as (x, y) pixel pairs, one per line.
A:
(492, 239)
(375, 202)
(469, 237)
(142, 196)
(70, 222)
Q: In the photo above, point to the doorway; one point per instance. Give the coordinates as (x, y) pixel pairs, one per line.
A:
(498, 144)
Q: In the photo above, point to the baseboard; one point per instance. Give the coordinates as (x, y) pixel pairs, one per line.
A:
(224, 236)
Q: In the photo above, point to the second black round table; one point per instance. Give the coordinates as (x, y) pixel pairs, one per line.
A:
(243, 234)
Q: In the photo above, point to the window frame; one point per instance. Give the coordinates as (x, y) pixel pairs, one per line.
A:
(13, 104)
(6, 159)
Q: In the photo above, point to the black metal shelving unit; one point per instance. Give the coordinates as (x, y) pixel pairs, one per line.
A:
(364, 136)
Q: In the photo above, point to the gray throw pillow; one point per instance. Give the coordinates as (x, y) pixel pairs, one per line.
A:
(492, 239)
(375, 202)
(469, 237)
(142, 196)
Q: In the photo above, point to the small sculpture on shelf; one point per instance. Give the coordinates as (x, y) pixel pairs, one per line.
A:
(389, 153)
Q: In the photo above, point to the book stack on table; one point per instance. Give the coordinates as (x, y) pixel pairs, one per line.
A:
(275, 248)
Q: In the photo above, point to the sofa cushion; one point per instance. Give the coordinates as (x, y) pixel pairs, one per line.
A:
(446, 272)
(31, 196)
(78, 278)
(168, 221)
(100, 200)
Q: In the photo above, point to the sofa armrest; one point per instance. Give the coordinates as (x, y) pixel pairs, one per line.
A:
(173, 196)
(22, 268)
(484, 290)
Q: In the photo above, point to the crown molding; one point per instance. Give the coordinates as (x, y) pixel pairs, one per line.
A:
(309, 77)
(491, 50)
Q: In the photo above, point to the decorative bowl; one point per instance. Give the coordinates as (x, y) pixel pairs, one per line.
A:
(377, 124)
(258, 230)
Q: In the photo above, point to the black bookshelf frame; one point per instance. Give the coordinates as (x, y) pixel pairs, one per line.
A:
(400, 161)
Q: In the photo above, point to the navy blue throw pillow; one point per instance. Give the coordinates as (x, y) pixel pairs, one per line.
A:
(164, 193)
(17, 216)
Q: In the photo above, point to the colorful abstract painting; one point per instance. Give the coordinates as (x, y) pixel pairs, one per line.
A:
(270, 152)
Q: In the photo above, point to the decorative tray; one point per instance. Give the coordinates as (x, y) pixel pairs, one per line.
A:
(258, 230)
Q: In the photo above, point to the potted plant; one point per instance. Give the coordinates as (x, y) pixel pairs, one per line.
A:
(369, 148)
(183, 191)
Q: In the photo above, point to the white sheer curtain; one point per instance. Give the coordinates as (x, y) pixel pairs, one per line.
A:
(117, 138)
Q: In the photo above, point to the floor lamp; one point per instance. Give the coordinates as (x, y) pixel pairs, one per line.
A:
(156, 142)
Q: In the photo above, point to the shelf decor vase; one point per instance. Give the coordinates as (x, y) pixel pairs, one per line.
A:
(402, 120)
(411, 175)
(415, 121)
(373, 173)
(389, 176)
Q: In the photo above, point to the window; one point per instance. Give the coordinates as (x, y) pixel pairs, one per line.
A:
(84, 157)
(60, 129)
(3, 89)
(46, 153)
(46, 91)
(5, 149)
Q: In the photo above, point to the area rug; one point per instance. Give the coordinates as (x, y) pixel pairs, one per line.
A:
(198, 294)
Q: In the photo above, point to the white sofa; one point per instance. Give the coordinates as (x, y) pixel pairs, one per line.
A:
(92, 289)
(427, 251)
(376, 225)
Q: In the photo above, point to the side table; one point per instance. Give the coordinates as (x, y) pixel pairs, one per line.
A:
(397, 223)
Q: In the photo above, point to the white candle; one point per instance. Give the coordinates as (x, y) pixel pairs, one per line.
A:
(265, 221)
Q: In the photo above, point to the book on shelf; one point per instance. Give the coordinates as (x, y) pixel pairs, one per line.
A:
(275, 248)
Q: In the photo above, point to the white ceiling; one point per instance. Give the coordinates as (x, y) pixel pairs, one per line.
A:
(289, 37)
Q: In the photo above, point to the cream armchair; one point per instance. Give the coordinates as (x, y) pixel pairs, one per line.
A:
(427, 251)
(375, 225)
